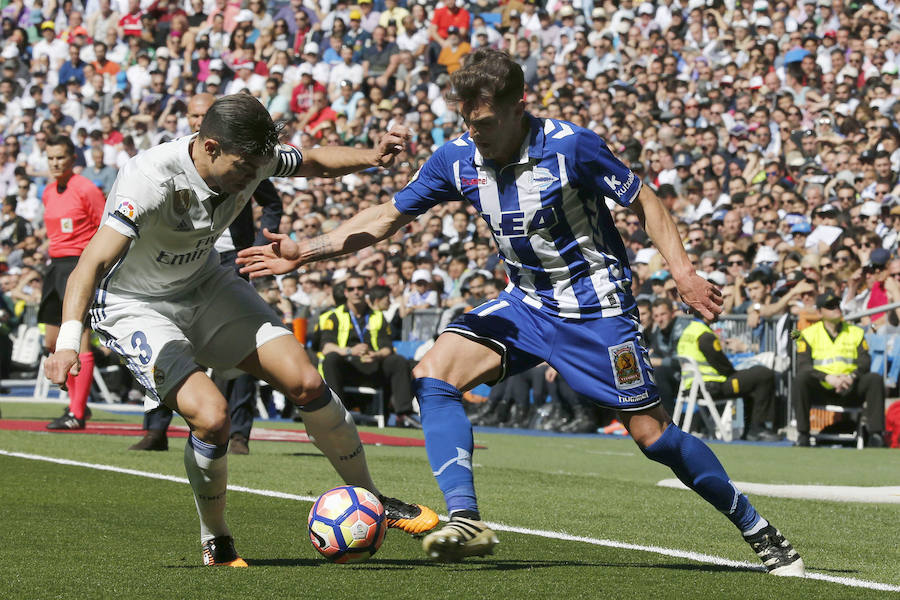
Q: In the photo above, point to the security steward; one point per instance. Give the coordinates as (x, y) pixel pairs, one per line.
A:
(755, 385)
(356, 347)
(833, 367)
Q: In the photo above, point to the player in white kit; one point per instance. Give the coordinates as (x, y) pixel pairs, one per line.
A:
(158, 296)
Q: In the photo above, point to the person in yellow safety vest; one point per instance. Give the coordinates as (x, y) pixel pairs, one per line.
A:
(755, 385)
(357, 348)
(833, 367)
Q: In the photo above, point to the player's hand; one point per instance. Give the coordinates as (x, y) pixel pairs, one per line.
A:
(60, 365)
(281, 256)
(390, 145)
(550, 375)
(702, 296)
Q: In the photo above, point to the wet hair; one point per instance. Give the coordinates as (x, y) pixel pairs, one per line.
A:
(489, 75)
(241, 125)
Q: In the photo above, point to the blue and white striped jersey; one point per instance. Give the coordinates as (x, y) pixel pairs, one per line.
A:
(547, 212)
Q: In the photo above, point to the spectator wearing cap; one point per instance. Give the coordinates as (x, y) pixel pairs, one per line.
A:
(833, 365)
(302, 94)
(453, 49)
(50, 46)
(421, 294)
(369, 16)
(246, 79)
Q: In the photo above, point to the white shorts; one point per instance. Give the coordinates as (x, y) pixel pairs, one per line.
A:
(218, 324)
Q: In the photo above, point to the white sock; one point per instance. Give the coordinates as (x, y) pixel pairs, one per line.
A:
(760, 525)
(207, 470)
(332, 430)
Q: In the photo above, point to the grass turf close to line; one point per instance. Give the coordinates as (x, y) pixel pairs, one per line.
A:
(79, 533)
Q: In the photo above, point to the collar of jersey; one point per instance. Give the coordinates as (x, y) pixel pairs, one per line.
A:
(190, 170)
(532, 145)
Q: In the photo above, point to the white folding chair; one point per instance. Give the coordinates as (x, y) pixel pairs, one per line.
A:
(377, 405)
(695, 397)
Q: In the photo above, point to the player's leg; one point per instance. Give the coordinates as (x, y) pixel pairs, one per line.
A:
(454, 364)
(199, 401)
(283, 362)
(621, 378)
(478, 347)
(695, 465)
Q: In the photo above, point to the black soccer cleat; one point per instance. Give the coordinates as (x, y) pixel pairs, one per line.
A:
(220, 552)
(776, 553)
(411, 518)
(459, 538)
(66, 421)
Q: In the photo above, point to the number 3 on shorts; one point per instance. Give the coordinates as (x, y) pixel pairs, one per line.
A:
(139, 343)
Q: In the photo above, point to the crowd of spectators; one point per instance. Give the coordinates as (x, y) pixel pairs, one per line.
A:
(769, 128)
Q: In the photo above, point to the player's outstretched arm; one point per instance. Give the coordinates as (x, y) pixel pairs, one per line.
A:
(284, 254)
(699, 294)
(101, 253)
(335, 161)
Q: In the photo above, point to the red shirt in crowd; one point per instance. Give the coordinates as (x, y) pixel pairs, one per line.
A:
(72, 216)
(445, 18)
(131, 24)
(301, 97)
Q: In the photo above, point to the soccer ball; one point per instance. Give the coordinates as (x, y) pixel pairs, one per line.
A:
(347, 524)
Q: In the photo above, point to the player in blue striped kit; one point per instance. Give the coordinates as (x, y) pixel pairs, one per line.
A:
(542, 185)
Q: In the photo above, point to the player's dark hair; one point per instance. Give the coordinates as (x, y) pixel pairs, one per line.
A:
(241, 125)
(489, 75)
(62, 140)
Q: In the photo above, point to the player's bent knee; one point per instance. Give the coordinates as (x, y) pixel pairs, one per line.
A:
(308, 386)
(212, 425)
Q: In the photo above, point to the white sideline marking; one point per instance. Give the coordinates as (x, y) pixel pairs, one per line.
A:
(556, 535)
(834, 493)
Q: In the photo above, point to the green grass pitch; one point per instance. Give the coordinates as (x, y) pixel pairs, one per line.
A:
(74, 532)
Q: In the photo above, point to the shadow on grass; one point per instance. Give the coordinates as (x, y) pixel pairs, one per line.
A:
(481, 564)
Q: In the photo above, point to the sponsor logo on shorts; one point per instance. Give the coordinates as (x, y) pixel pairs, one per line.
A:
(159, 376)
(126, 209)
(625, 365)
(631, 399)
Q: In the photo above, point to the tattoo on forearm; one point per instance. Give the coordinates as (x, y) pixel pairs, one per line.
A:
(319, 247)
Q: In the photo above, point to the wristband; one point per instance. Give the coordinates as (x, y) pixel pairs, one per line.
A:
(69, 337)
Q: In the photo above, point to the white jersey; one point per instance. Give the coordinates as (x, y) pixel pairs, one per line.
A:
(174, 219)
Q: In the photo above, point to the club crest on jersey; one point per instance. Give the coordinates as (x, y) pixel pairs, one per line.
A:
(542, 178)
(66, 225)
(626, 368)
(182, 201)
(126, 209)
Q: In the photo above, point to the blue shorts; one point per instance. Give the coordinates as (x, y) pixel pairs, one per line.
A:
(603, 359)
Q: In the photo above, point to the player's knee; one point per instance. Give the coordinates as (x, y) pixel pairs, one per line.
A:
(212, 424)
(306, 387)
(426, 368)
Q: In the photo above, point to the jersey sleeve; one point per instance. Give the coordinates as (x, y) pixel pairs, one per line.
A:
(131, 202)
(287, 161)
(599, 168)
(431, 185)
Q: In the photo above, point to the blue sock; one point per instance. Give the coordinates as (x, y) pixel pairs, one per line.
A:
(448, 441)
(698, 468)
